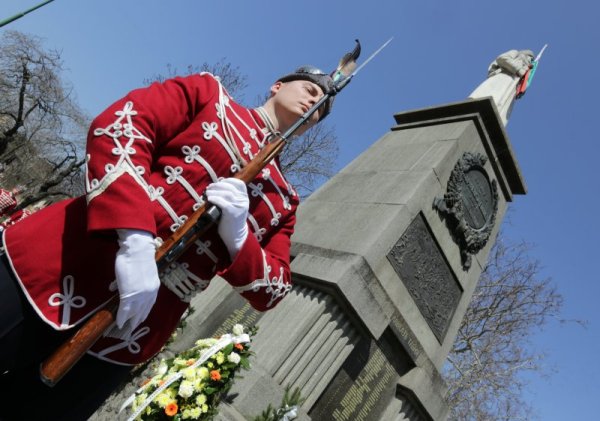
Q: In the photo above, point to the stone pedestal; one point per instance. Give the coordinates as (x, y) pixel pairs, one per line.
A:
(386, 256)
(382, 276)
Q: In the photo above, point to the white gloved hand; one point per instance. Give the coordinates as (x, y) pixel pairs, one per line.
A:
(137, 277)
(231, 196)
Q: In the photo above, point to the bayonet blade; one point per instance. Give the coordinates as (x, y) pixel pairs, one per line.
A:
(371, 57)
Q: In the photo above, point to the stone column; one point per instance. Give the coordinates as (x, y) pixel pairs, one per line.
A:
(386, 257)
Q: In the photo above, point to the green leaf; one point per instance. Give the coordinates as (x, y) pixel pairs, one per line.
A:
(210, 390)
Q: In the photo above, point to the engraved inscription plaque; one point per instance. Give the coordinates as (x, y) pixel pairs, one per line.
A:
(365, 384)
(417, 259)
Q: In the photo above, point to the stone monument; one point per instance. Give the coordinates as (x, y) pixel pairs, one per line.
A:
(386, 256)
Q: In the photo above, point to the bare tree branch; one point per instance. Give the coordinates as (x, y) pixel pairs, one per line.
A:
(485, 368)
(42, 129)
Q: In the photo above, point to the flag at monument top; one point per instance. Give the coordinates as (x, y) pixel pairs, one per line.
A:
(526, 80)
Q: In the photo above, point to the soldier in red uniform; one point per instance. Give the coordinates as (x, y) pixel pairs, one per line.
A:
(153, 157)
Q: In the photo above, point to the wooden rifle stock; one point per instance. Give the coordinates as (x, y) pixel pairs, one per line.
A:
(66, 356)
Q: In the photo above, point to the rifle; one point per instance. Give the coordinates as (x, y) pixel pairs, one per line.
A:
(67, 355)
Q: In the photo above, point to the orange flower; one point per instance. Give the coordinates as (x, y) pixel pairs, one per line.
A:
(190, 362)
(145, 382)
(160, 383)
(171, 409)
(239, 346)
(215, 375)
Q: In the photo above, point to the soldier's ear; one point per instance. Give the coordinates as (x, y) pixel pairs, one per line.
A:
(276, 87)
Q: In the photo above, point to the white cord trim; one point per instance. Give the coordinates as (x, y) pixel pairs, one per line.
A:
(256, 190)
(156, 194)
(118, 131)
(67, 299)
(203, 248)
(193, 154)
(266, 173)
(258, 231)
(174, 174)
(130, 342)
(210, 131)
(274, 286)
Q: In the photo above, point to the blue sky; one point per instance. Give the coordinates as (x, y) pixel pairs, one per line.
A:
(440, 53)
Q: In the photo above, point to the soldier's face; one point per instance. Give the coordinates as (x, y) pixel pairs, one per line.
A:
(294, 98)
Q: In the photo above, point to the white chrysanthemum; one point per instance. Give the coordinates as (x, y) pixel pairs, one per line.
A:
(205, 343)
(234, 358)
(186, 389)
(162, 368)
(238, 330)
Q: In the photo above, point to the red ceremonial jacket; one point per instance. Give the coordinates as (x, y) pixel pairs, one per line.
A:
(150, 156)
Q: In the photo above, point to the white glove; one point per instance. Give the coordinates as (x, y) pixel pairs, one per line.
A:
(137, 277)
(231, 196)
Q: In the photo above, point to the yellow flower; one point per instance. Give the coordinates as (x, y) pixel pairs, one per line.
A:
(138, 400)
(189, 373)
(180, 361)
(195, 412)
(204, 408)
(186, 414)
(198, 385)
(200, 399)
(163, 399)
(220, 358)
(203, 373)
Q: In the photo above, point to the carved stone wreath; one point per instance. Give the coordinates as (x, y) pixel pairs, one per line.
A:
(470, 205)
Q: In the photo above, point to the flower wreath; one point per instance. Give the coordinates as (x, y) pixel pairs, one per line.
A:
(190, 385)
